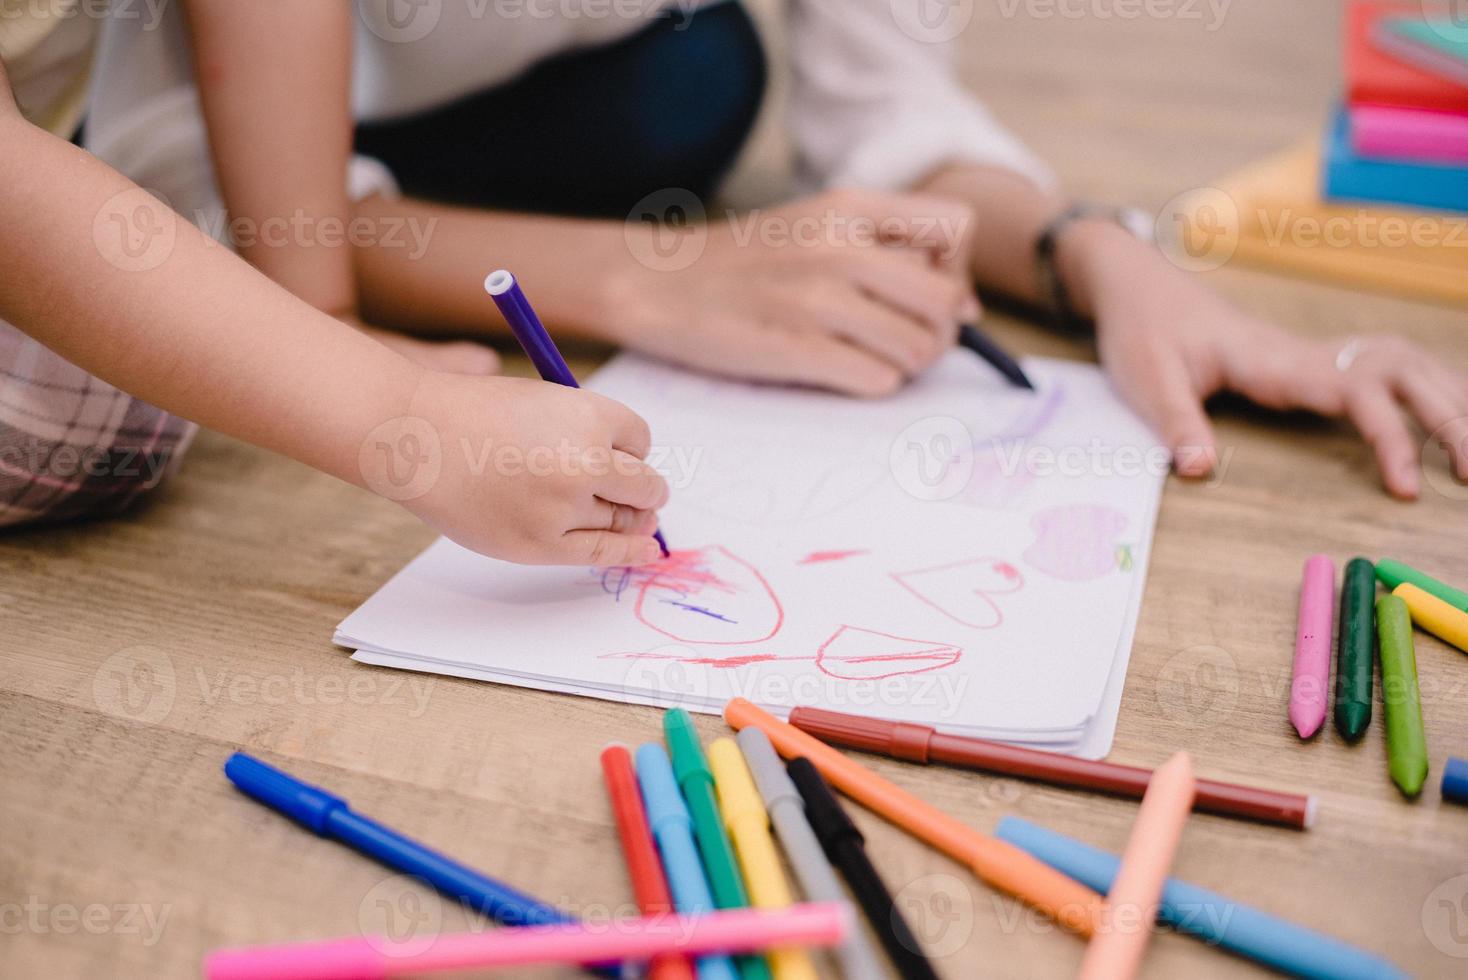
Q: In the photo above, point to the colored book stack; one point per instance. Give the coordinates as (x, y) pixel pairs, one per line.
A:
(1402, 137)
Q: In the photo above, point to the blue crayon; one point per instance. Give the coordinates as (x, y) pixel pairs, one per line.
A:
(1208, 915)
(672, 829)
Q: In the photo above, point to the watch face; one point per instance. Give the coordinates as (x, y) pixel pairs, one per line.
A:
(1138, 222)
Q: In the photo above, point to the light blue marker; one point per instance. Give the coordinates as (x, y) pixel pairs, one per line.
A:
(1208, 915)
(672, 828)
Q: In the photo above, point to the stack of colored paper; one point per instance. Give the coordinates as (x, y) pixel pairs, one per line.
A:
(964, 554)
(1402, 138)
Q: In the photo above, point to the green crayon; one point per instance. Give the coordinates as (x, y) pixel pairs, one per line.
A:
(1354, 648)
(1406, 742)
(1393, 573)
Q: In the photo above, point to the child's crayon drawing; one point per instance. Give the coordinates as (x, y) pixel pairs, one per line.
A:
(851, 653)
(1077, 542)
(1034, 419)
(820, 557)
(964, 590)
(700, 595)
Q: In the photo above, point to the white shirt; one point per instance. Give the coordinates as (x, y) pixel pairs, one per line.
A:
(872, 103)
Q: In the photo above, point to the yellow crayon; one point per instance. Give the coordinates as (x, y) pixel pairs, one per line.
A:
(749, 829)
(1445, 621)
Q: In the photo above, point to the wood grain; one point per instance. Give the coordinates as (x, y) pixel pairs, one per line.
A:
(139, 652)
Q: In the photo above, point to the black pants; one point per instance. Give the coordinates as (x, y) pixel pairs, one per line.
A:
(592, 132)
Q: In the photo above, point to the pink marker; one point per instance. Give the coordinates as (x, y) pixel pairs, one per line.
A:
(1309, 691)
(375, 958)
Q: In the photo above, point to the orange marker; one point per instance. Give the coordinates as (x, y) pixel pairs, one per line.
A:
(1002, 865)
(1116, 951)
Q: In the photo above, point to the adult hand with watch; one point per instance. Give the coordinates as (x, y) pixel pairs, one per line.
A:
(1169, 343)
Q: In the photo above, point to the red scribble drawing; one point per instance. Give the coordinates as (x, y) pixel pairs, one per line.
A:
(816, 557)
(851, 653)
(1076, 542)
(963, 590)
(701, 595)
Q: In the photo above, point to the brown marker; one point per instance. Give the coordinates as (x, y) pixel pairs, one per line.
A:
(920, 743)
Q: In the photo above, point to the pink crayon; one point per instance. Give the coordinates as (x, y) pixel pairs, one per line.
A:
(372, 958)
(1309, 690)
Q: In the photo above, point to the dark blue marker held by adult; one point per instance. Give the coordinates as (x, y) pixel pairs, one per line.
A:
(534, 338)
(330, 816)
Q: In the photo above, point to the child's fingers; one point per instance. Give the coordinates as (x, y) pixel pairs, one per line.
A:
(606, 549)
(603, 515)
(629, 431)
(1375, 415)
(633, 483)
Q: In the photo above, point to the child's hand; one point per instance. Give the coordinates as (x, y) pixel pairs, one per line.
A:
(854, 291)
(1169, 343)
(527, 471)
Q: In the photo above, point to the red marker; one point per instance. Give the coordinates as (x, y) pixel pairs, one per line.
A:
(643, 866)
(919, 743)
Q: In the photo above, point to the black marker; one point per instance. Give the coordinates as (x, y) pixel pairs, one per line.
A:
(969, 336)
(846, 848)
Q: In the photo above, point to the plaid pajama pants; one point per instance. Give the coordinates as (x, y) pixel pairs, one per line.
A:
(72, 446)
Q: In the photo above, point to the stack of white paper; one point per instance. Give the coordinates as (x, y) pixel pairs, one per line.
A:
(963, 554)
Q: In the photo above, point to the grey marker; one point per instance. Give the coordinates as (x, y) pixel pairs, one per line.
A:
(816, 876)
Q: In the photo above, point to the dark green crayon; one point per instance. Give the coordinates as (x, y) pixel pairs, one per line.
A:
(1354, 648)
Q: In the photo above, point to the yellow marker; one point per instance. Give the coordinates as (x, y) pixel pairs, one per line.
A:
(749, 829)
(1445, 621)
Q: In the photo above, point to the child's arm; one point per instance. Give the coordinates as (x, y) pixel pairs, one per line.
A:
(1169, 343)
(108, 277)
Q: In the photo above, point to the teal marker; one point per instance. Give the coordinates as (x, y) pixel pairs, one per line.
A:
(696, 781)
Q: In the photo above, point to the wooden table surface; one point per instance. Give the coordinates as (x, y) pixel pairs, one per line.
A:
(140, 652)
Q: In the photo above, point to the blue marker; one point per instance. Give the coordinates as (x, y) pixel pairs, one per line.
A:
(534, 338)
(1210, 916)
(672, 828)
(330, 816)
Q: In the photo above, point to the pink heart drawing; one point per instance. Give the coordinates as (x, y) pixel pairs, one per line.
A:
(1076, 542)
(962, 590)
(856, 654)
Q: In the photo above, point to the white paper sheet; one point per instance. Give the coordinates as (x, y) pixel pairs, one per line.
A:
(962, 554)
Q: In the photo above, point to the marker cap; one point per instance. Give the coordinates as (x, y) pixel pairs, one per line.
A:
(905, 741)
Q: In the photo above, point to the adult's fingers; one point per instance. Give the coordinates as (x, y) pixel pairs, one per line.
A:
(1172, 404)
(632, 482)
(1375, 415)
(844, 310)
(938, 300)
(938, 226)
(822, 361)
(1441, 414)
